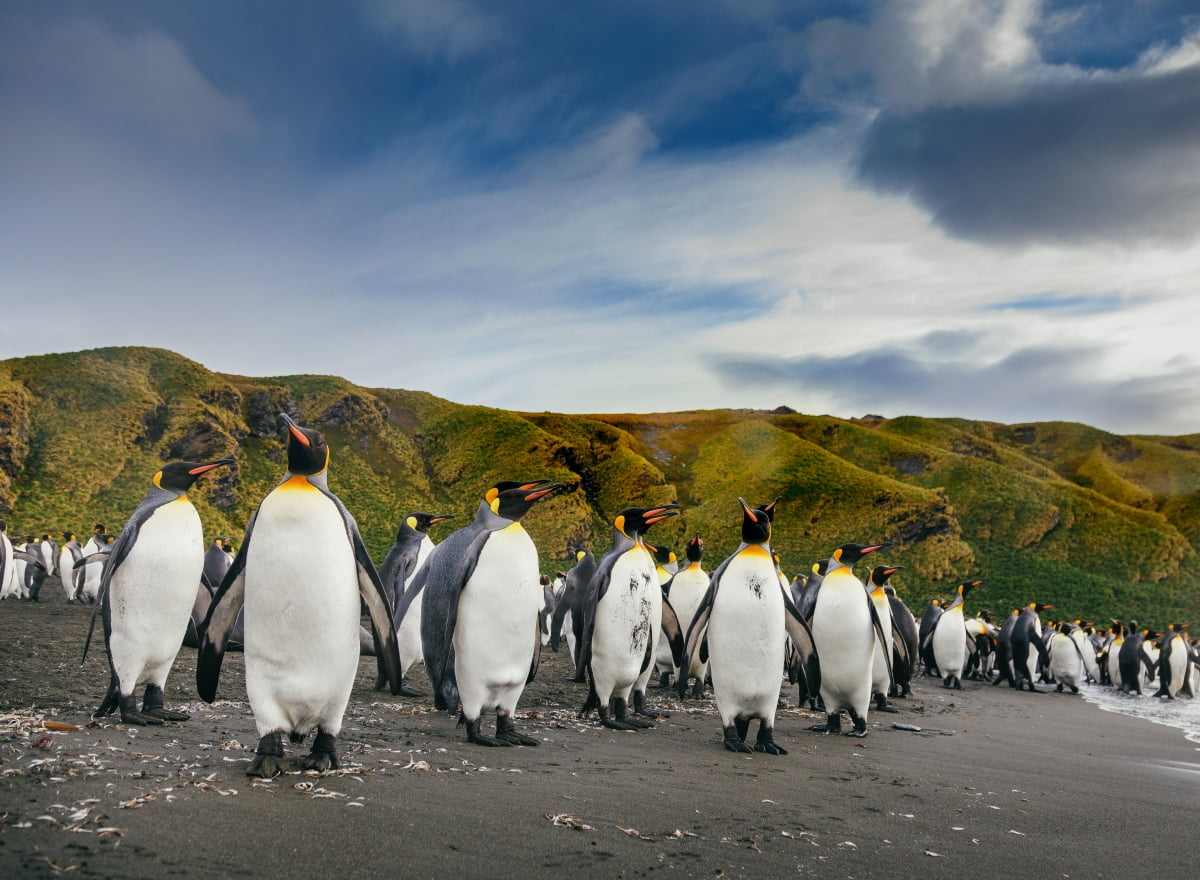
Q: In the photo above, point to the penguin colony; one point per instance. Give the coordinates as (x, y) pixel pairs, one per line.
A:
(476, 611)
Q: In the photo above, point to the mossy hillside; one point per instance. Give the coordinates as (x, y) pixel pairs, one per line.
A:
(1082, 515)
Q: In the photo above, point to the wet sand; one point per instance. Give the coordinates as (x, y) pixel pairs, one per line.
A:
(1040, 784)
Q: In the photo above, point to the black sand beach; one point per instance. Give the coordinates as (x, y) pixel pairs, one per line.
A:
(996, 783)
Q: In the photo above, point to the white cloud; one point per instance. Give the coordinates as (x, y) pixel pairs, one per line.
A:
(436, 29)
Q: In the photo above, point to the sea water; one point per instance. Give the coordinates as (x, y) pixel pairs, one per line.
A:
(1181, 713)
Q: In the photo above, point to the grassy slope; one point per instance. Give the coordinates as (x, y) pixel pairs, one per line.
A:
(1096, 523)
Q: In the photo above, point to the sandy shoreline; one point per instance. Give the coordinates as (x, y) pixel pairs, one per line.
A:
(1046, 784)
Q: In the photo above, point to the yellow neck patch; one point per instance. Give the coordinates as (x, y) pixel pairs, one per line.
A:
(298, 482)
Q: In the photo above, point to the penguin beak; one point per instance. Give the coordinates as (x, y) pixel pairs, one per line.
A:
(209, 465)
(527, 486)
(294, 429)
(658, 514)
(871, 548)
(441, 518)
(746, 509)
(888, 572)
(543, 492)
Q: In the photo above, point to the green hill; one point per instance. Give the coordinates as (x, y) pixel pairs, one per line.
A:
(1099, 524)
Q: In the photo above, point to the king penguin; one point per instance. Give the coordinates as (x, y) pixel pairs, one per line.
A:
(845, 629)
(479, 620)
(299, 574)
(1174, 663)
(146, 592)
(905, 643)
(622, 619)
(68, 556)
(882, 673)
(570, 612)
(407, 554)
(740, 629)
(8, 569)
(688, 588)
(948, 641)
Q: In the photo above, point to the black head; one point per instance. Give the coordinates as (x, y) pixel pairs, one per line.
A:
(694, 549)
(1039, 607)
(756, 524)
(880, 574)
(662, 555)
(307, 451)
(98, 528)
(633, 521)
(544, 580)
(46, 537)
(515, 501)
(822, 567)
(509, 485)
(420, 521)
(848, 554)
(68, 536)
(178, 476)
(968, 585)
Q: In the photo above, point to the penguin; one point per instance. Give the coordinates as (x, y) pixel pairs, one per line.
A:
(948, 638)
(216, 563)
(96, 542)
(546, 612)
(845, 628)
(1026, 632)
(299, 573)
(407, 554)
(665, 567)
(740, 628)
(1132, 656)
(49, 550)
(622, 619)
(8, 570)
(981, 640)
(905, 643)
(812, 583)
(688, 588)
(479, 620)
(33, 573)
(1066, 660)
(1087, 652)
(146, 593)
(883, 673)
(929, 620)
(68, 556)
(1174, 663)
(89, 571)
(1112, 653)
(570, 612)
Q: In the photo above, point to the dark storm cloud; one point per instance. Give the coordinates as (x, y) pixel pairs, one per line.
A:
(1036, 383)
(1106, 158)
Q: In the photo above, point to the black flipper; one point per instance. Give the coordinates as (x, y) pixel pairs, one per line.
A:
(537, 650)
(801, 635)
(673, 632)
(218, 624)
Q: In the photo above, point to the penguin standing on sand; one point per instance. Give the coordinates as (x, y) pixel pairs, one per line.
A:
(740, 629)
(623, 618)
(845, 629)
(666, 568)
(905, 643)
(688, 588)
(89, 571)
(406, 555)
(1175, 663)
(1066, 659)
(948, 641)
(1026, 634)
(146, 592)
(8, 571)
(68, 556)
(883, 673)
(570, 612)
(929, 619)
(479, 620)
(49, 550)
(299, 574)
(1132, 657)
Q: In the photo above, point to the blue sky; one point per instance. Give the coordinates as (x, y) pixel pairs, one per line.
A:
(961, 207)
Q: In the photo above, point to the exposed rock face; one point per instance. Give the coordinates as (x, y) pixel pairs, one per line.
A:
(911, 464)
(262, 409)
(367, 413)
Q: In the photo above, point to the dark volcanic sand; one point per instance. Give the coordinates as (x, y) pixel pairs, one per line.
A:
(1040, 785)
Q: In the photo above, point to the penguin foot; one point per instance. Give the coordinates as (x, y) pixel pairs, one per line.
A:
(477, 736)
(166, 714)
(268, 759)
(152, 705)
(881, 704)
(380, 683)
(639, 707)
(505, 732)
(833, 724)
(139, 718)
(860, 726)
(622, 715)
(614, 724)
(664, 681)
(323, 756)
(698, 689)
(733, 742)
(766, 742)
(409, 691)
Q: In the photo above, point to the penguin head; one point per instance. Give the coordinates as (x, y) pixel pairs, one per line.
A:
(880, 574)
(544, 580)
(634, 521)
(968, 585)
(512, 500)
(1038, 607)
(68, 536)
(848, 554)
(419, 521)
(178, 476)
(694, 549)
(662, 556)
(756, 524)
(821, 568)
(98, 528)
(307, 451)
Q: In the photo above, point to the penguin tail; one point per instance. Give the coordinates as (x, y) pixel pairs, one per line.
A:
(109, 704)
